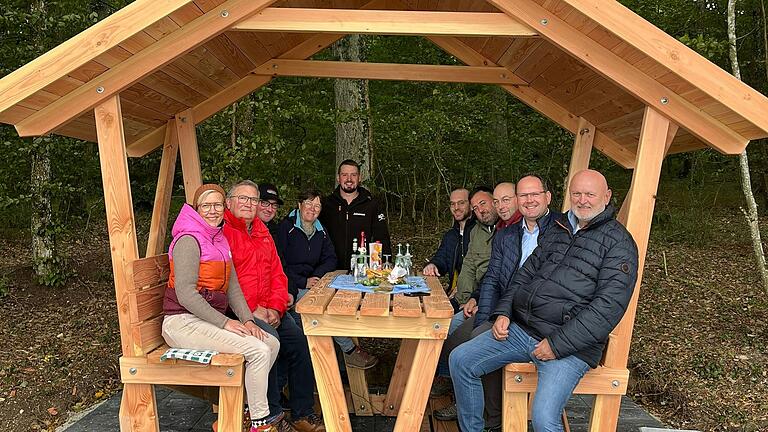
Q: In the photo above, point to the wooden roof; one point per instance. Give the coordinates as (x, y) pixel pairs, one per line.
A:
(567, 59)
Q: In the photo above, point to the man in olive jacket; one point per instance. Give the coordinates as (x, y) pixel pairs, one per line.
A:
(557, 310)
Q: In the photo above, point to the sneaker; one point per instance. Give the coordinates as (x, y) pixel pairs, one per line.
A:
(270, 424)
(447, 414)
(360, 359)
(441, 386)
(310, 423)
(263, 428)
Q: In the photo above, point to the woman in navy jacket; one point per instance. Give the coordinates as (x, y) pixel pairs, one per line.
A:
(304, 245)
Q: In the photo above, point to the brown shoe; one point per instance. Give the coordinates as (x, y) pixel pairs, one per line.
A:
(310, 423)
(360, 359)
(284, 426)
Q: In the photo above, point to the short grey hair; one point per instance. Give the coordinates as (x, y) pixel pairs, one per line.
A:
(234, 187)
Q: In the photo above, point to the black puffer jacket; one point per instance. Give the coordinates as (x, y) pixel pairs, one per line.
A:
(574, 288)
(345, 221)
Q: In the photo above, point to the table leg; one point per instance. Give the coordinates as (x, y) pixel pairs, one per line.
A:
(400, 376)
(418, 385)
(329, 387)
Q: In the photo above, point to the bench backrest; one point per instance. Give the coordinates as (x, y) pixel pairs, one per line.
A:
(145, 302)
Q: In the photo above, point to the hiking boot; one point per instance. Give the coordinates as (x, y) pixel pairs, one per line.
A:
(360, 359)
(448, 413)
(441, 386)
(284, 426)
(310, 423)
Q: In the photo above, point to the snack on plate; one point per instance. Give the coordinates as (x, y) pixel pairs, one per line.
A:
(371, 281)
(381, 273)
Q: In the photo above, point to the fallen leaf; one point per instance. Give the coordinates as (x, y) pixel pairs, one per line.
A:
(53, 411)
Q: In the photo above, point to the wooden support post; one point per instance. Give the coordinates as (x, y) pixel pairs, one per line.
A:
(358, 386)
(332, 400)
(416, 392)
(190, 155)
(582, 152)
(138, 407)
(231, 408)
(405, 358)
(159, 225)
(654, 136)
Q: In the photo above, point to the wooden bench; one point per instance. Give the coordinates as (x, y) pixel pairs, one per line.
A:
(145, 307)
(520, 382)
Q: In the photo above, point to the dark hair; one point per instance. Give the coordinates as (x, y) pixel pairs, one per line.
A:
(544, 183)
(479, 189)
(308, 194)
(349, 162)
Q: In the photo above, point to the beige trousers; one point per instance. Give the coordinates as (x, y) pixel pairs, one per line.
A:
(189, 331)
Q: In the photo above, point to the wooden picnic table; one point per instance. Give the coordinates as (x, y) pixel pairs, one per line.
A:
(421, 322)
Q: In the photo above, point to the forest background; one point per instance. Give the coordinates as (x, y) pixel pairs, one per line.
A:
(426, 138)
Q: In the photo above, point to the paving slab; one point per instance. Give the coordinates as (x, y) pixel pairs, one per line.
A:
(182, 413)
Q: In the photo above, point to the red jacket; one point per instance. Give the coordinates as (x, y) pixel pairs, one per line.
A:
(257, 264)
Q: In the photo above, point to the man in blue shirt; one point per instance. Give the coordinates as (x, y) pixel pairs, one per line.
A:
(511, 247)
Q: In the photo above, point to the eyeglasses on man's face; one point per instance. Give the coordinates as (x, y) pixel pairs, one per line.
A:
(266, 204)
(207, 207)
(245, 199)
(587, 195)
(506, 200)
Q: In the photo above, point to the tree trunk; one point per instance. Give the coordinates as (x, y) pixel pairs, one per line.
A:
(499, 132)
(354, 139)
(746, 185)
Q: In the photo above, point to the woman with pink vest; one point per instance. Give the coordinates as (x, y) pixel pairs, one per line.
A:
(201, 285)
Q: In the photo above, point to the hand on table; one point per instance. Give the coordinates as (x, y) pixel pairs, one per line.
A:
(500, 328)
(543, 351)
(469, 308)
(312, 281)
(430, 270)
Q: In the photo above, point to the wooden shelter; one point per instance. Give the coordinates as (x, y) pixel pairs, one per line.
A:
(144, 77)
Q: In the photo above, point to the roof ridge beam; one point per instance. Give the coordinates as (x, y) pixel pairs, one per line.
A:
(82, 48)
(390, 22)
(677, 57)
(625, 75)
(138, 66)
(389, 71)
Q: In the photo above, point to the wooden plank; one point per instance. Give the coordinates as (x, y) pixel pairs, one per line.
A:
(403, 364)
(119, 207)
(605, 412)
(163, 191)
(180, 373)
(374, 326)
(82, 48)
(138, 408)
(375, 305)
(403, 306)
(329, 387)
(231, 407)
(437, 306)
(189, 153)
(389, 71)
(514, 416)
(140, 65)
(582, 151)
(358, 387)
(679, 58)
(149, 271)
(418, 384)
(146, 304)
(147, 335)
(344, 303)
(389, 22)
(522, 378)
(628, 77)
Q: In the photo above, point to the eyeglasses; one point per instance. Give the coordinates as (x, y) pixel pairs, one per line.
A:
(266, 204)
(207, 207)
(531, 195)
(310, 204)
(506, 200)
(588, 195)
(245, 199)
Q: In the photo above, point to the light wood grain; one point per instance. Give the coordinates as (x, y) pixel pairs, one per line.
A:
(189, 153)
(138, 409)
(331, 392)
(149, 271)
(180, 373)
(403, 306)
(417, 386)
(231, 406)
(344, 303)
(580, 155)
(403, 365)
(159, 225)
(374, 304)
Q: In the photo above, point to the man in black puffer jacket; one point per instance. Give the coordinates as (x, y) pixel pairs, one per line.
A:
(557, 310)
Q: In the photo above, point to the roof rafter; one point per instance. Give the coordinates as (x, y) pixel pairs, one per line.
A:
(625, 75)
(79, 50)
(390, 71)
(392, 22)
(677, 57)
(138, 66)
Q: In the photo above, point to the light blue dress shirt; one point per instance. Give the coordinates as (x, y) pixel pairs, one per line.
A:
(529, 243)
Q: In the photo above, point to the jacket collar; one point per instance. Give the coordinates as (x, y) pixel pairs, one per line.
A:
(294, 214)
(258, 229)
(605, 216)
(363, 195)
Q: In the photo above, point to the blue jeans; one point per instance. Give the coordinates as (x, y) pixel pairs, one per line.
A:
(293, 366)
(456, 321)
(484, 354)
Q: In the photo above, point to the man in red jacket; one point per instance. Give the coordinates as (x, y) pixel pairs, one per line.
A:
(265, 287)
